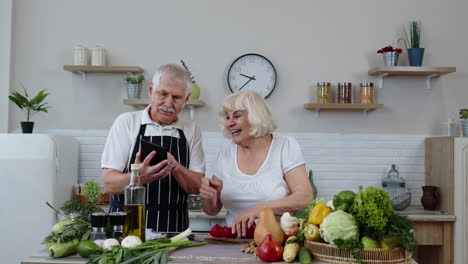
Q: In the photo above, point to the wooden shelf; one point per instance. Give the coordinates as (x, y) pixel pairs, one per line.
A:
(411, 71)
(145, 102)
(343, 107)
(102, 69)
(428, 72)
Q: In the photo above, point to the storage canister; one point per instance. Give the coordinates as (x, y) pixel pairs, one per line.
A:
(324, 93)
(98, 57)
(80, 55)
(345, 92)
(367, 93)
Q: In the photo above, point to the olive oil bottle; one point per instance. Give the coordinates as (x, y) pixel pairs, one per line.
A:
(135, 206)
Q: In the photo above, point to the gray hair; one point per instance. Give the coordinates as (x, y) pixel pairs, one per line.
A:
(176, 72)
(258, 113)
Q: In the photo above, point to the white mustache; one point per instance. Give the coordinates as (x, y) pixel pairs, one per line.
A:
(166, 109)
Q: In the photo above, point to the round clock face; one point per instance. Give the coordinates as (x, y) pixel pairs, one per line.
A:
(252, 72)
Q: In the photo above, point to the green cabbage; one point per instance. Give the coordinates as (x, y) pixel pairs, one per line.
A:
(339, 225)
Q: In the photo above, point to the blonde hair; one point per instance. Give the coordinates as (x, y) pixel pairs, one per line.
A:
(258, 113)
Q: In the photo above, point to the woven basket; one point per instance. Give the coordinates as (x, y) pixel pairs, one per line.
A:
(79, 195)
(333, 254)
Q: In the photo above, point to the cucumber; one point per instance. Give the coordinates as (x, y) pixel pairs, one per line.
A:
(304, 256)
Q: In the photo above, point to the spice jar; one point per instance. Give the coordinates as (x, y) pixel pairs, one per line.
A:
(367, 93)
(324, 93)
(345, 92)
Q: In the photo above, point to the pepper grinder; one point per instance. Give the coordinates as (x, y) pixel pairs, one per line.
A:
(117, 221)
(98, 226)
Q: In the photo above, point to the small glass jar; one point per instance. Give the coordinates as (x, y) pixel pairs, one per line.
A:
(367, 93)
(345, 92)
(324, 93)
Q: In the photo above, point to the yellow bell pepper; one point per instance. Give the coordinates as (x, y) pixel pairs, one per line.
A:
(318, 213)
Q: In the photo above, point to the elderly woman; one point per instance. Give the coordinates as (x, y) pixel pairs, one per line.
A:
(257, 169)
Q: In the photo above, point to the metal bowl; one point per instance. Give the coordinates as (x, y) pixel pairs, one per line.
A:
(194, 202)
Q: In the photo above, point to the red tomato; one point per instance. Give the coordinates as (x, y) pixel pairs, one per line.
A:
(216, 231)
(227, 232)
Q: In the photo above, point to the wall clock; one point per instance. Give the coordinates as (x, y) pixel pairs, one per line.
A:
(252, 72)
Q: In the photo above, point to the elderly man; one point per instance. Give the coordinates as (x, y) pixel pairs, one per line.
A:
(168, 182)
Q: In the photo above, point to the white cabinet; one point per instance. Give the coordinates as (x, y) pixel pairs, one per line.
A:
(447, 168)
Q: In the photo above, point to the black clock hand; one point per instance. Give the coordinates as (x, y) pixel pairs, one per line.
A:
(248, 76)
(251, 78)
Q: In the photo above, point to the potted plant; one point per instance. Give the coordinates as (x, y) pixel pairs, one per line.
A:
(134, 84)
(195, 89)
(464, 121)
(35, 104)
(413, 43)
(390, 55)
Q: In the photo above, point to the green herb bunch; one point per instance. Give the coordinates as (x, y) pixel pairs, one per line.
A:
(91, 191)
(464, 113)
(189, 72)
(29, 105)
(398, 227)
(353, 244)
(150, 252)
(413, 39)
(134, 80)
(83, 209)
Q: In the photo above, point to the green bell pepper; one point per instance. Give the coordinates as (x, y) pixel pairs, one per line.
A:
(343, 200)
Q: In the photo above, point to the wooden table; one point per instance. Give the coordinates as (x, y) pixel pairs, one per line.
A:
(433, 234)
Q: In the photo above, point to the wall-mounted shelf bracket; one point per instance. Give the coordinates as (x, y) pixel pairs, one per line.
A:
(381, 77)
(429, 82)
(83, 74)
(191, 112)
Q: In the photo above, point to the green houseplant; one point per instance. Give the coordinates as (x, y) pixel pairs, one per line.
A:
(412, 39)
(30, 106)
(134, 84)
(464, 121)
(195, 89)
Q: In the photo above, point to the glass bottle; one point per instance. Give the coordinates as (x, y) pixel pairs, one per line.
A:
(134, 205)
(311, 179)
(393, 183)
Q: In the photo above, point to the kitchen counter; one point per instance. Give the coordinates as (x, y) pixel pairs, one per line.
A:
(417, 214)
(211, 253)
(433, 232)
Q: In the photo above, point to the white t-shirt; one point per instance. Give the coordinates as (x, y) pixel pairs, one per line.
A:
(241, 191)
(124, 131)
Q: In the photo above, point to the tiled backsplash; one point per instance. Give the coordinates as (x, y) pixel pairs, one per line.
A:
(339, 161)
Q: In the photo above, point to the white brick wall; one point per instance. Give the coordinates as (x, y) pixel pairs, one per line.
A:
(339, 161)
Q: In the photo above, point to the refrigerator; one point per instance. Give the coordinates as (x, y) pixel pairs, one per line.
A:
(34, 168)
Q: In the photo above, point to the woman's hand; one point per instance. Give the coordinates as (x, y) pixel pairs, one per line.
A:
(150, 173)
(210, 189)
(243, 221)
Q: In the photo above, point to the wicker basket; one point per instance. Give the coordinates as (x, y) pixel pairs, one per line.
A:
(333, 254)
(79, 195)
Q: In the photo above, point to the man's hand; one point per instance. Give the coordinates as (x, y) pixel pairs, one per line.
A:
(150, 173)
